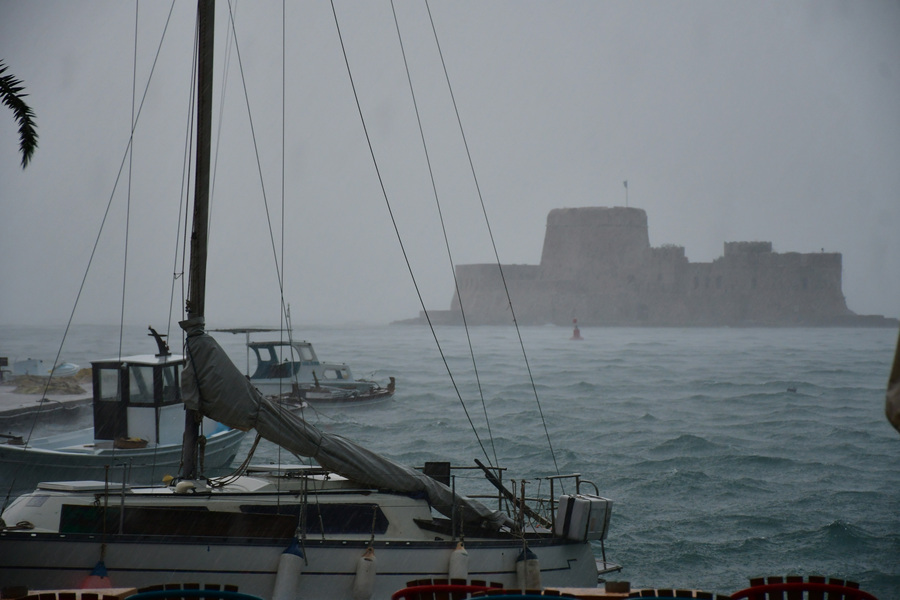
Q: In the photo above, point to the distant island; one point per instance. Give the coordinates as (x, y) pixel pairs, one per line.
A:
(597, 266)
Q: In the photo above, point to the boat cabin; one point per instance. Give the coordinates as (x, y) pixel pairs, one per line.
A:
(293, 360)
(138, 397)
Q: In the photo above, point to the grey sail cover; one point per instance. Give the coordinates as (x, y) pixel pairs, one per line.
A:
(212, 385)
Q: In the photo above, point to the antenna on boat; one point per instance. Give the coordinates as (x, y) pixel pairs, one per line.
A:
(160, 342)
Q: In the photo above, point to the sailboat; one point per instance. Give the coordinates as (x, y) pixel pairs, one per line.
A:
(356, 525)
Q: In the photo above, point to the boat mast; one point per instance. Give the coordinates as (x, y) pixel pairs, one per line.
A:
(196, 302)
(195, 305)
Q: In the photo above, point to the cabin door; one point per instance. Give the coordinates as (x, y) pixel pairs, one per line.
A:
(110, 408)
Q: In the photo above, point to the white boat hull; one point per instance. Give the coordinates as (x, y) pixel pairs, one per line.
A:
(252, 564)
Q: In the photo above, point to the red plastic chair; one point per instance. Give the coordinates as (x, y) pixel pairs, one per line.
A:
(433, 591)
(794, 587)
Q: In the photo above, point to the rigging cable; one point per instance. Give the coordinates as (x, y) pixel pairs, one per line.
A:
(237, 50)
(225, 69)
(182, 233)
(447, 245)
(279, 261)
(128, 189)
(493, 242)
(93, 253)
(396, 228)
(278, 267)
(262, 182)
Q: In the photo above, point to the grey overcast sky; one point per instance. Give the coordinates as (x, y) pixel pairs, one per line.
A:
(732, 121)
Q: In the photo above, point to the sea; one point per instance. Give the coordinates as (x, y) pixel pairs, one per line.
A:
(727, 453)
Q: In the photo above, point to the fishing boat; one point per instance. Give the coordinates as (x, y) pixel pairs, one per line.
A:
(291, 371)
(136, 433)
(354, 525)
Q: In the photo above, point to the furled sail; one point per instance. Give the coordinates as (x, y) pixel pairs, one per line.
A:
(212, 385)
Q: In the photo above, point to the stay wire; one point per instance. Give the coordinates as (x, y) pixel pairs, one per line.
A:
(182, 229)
(279, 262)
(222, 97)
(237, 49)
(282, 317)
(128, 190)
(394, 221)
(493, 242)
(447, 245)
(87, 269)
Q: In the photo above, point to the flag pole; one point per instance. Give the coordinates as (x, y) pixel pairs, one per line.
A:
(625, 183)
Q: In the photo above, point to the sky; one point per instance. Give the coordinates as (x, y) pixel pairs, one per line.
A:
(731, 121)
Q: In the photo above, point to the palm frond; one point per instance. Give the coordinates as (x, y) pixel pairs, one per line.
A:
(11, 95)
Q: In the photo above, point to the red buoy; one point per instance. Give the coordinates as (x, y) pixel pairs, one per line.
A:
(576, 334)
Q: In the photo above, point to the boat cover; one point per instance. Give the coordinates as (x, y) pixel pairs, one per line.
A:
(212, 385)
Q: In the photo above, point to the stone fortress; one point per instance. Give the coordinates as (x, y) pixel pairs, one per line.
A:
(597, 266)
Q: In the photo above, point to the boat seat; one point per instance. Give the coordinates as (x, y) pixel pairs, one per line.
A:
(796, 587)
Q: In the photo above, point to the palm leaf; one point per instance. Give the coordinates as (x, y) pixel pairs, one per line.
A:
(11, 95)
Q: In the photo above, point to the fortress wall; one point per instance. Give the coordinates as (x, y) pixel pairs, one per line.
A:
(665, 270)
(483, 295)
(597, 266)
(766, 288)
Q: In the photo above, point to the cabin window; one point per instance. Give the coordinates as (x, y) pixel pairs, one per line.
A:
(334, 518)
(140, 384)
(306, 353)
(171, 390)
(109, 385)
(336, 373)
(176, 521)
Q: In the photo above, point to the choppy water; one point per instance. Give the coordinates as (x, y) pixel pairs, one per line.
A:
(717, 471)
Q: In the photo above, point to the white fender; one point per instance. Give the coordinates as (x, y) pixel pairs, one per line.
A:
(528, 570)
(459, 563)
(287, 577)
(364, 582)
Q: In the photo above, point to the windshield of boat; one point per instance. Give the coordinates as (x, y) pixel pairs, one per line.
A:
(277, 360)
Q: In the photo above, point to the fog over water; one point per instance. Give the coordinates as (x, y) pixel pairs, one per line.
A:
(758, 121)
